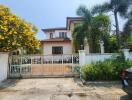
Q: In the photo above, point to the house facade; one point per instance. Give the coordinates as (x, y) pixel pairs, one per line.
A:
(59, 40)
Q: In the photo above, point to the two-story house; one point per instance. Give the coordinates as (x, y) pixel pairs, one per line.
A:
(59, 40)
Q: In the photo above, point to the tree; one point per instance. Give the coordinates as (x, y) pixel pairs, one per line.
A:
(111, 44)
(15, 33)
(100, 30)
(94, 28)
(116, 6)
(127, 31)
(78, 36)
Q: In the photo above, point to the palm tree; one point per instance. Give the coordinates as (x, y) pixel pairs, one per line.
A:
(128, 27)
(116, 6)
(78, 37)
(127, 31)
(93, 28)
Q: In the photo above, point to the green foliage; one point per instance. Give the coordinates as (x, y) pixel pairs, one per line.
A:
(111, 45)
(106, 70)
(100, 31)
(78, 36)
(98, 71)
(15, 33)
(126, 35)
(94, 28)
(117, 7)
(120, 6)
(77, 69)
(89, 72)
(119, 63)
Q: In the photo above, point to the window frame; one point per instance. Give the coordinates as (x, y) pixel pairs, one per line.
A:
(51, 35)
(57, 50)
(62, 34)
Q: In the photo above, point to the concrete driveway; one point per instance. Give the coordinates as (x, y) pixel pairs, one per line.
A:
(59, 89)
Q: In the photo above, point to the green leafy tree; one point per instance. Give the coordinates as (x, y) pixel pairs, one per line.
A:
(94, 28)
(78, 36)
(127, 32)
(100, 30)
(112, 45)
(16, 33)
(115, 6)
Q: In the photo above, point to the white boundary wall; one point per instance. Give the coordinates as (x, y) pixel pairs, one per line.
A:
(3, 66)
(96, 57)
(130, 56)
(89, 58)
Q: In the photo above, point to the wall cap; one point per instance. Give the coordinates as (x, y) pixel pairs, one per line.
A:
(4, 52)
(125, 50)
(82, 51)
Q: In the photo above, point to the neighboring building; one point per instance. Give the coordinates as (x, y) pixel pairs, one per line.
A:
(59, 40)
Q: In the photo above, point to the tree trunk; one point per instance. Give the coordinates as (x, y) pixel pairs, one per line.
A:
(117, 29)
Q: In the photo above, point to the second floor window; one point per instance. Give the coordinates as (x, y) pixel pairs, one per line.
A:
(62, 34)
(51, 35)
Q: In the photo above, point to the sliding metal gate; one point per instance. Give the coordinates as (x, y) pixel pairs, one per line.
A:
(42, 66)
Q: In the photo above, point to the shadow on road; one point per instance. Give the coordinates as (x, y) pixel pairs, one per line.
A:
(106, 84)
(8, 83)
(126, 97)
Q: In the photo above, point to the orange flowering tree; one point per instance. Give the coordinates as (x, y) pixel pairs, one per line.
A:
(16, 33)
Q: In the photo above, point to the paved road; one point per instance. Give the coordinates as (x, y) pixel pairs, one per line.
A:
(59, 89)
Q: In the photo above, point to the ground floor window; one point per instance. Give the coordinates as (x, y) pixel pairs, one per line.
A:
(57, 50)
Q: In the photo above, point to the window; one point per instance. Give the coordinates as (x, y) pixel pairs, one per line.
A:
(62, 34)
(51, 35)
(57, 50)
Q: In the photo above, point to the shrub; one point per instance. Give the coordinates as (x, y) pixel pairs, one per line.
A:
(98, 71)
(106, 70)
(89, 72)
(77, 69)
(119, 63)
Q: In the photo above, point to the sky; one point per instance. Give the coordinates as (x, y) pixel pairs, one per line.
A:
(50, 13)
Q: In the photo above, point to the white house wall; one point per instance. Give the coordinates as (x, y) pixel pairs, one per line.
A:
(47, 35)
(56, 34)
(47, 48)
(68, 33)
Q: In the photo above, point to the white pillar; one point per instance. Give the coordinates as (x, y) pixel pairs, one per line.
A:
(126, 53)
(102, 47)
(86, 46)
(82, 57)
(3, 66)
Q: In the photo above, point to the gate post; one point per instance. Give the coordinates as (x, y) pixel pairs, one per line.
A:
(82, 56)
(126, 53)
(4, 67)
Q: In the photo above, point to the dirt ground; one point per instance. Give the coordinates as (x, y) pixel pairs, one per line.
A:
(59, 89)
